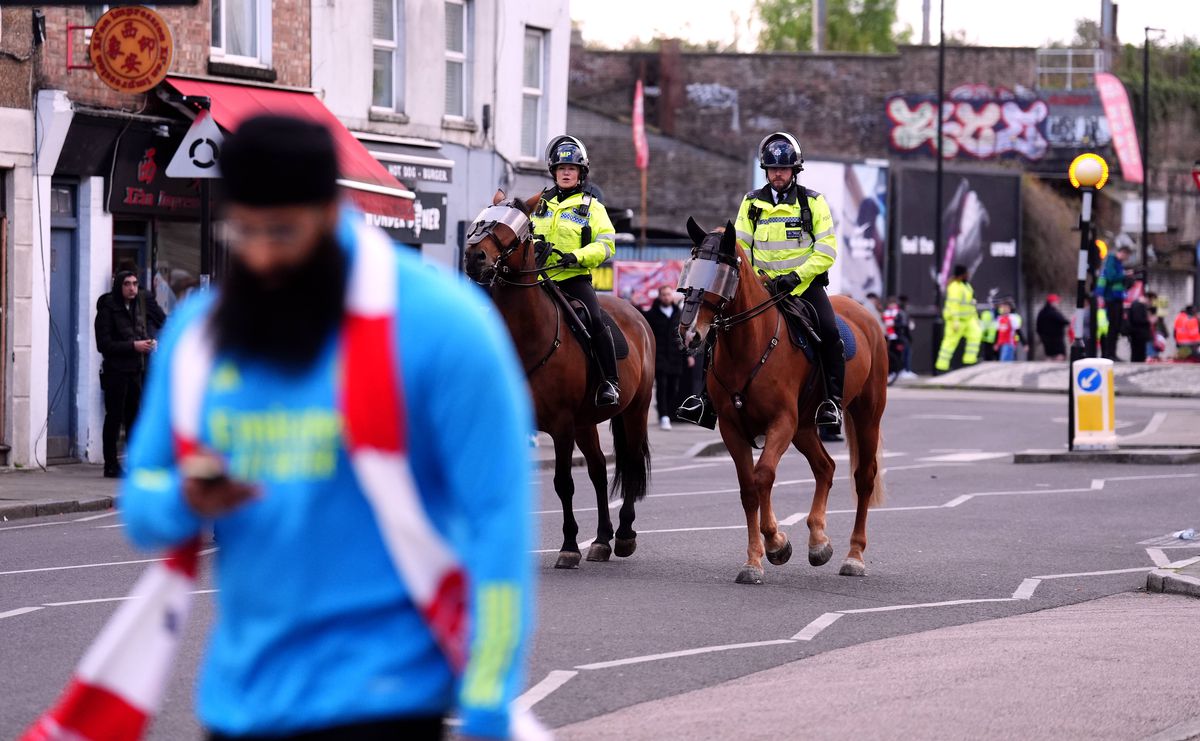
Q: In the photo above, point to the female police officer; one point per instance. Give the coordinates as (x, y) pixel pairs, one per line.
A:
(573, 220)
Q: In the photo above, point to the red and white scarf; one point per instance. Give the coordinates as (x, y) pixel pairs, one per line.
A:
(118, 686)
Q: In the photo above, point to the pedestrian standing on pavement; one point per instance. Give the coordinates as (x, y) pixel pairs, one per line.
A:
(1110, 286)
(988, 329)
(1050, 324)
(127, 322)
(366, 470)
(912, 327)
(1187, 333)
(1008, 325)
(896, 325)
(961, 322)
(663, 317)
(1141, 329)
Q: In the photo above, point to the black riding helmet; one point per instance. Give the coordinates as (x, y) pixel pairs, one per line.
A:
(567, 150)
(780, 150)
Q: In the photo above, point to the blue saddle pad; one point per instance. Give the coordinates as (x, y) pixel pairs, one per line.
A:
(801, 339)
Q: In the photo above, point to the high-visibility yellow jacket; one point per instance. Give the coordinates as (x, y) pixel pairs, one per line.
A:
(960, 302)
(565, 223)
(987, 323)
(778, 242)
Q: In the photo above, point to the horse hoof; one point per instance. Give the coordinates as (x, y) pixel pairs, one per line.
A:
(567, 560)
(750, 575)
(625, 547)
(599, 552)
(853, 567)
(820, 555)
(781, 556)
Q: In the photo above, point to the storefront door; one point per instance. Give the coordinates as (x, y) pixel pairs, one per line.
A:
(64, 310)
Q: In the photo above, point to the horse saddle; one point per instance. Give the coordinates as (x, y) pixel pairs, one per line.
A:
(579, 321)
(802, 328)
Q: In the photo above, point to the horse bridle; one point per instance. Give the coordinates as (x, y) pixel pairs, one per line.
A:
(485, 225)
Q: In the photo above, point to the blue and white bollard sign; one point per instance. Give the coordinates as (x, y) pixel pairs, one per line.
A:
(1095, 411)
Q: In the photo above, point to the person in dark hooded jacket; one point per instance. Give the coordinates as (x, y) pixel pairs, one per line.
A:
(127, 321)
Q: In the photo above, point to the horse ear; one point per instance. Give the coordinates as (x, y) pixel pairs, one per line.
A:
(530, 203)
(695, 231)
(729, 239)
(496, 199)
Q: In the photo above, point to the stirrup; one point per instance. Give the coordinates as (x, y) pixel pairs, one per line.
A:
(608, 394)
(828, 415)
(698, 411)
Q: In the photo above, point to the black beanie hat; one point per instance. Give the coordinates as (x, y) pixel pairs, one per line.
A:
(279, 161)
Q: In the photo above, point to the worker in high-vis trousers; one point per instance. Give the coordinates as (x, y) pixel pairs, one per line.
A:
(961, 321)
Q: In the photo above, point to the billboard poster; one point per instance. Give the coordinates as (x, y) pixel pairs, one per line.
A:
(857, 198)
(981, 228)
(638, 282)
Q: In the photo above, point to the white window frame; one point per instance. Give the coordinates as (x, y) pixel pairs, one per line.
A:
(263, 10)
(463, 58)
(538, 92)
(397, 47)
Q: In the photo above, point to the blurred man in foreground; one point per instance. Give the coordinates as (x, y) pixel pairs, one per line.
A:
(365, 467)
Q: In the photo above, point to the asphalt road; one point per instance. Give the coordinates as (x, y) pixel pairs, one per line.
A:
(961, 525)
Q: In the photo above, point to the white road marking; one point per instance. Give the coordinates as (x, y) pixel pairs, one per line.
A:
(677, 654)
(1095, 573)
(1158, 557)
(1183, 563)
(35, 524)
(18, 611)
(961, 498)
(1151, 477)
(96, 517)
(949, 417)
(95, 565)
(964, 457)
(921, 605)
(812, 629)
(542, 689)
(1152, 426)
(582, 545)
(688, 467)
(126, 598)
(955, 450)
(107, 527)
(1027, 588)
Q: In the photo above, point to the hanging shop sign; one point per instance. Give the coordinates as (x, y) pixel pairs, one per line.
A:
(131, 49)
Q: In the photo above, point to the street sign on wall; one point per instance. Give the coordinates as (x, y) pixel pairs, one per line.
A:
(199, 151)
(131, 49)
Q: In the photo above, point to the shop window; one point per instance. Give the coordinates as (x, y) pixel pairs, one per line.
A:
(176, 263)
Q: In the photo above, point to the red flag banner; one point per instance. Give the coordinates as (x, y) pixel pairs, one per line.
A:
(1120, 122)
(641, 147)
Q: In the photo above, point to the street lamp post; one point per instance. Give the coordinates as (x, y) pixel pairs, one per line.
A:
(1088, 173)
(1145, 272)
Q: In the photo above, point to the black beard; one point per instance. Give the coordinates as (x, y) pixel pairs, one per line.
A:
(287, 318)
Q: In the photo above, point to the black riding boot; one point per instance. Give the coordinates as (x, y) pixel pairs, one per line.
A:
(833, 362)
(608, 393)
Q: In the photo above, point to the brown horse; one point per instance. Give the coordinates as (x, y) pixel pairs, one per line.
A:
(503, 255)
(761, 385)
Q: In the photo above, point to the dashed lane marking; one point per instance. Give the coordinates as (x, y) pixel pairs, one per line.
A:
(18, 611)
(949, 417)
(542, 689)
(965, 457)
(94, 565)
(812, 629)
(1027, 588)
(100, 516)
(678, 654)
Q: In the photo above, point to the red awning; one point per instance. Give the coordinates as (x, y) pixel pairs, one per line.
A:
(365, 180)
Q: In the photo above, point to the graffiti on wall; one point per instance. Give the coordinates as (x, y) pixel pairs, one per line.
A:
(714, 96)
(977, 121)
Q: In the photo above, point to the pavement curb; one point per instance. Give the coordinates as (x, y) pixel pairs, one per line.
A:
(47, 507)
(1170, 581)
(707, 449)
(1060, 392)
(577, 460)
(1141, 456)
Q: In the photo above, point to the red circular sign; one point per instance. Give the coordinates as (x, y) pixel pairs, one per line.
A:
(131, 49)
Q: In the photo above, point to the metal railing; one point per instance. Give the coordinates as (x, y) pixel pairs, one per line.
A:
(1069, 69)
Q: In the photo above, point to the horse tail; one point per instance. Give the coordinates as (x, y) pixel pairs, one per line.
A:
(631, 454)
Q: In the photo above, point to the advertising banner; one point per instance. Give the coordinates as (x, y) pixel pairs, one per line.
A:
(981, 229)
(638, 282)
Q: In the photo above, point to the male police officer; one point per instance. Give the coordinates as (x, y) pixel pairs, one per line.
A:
(572, 219)
(788, 232)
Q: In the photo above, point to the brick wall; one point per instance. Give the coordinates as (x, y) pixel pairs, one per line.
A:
(190, 28)
(16, 44)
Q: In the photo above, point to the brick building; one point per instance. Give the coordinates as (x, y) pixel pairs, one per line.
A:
(84, 188)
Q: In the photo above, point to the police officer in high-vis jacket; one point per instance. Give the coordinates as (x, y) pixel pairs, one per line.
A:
(576, 224)
(788, 232)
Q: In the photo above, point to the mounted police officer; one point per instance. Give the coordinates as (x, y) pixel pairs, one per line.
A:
(571, 218)
(788, 232)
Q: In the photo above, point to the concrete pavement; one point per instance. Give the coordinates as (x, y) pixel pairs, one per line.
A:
(1132, 379)
(57, 490)
(1082, 671)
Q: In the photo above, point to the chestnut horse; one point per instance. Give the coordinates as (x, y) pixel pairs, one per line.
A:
(504, 256)
(762, 385)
